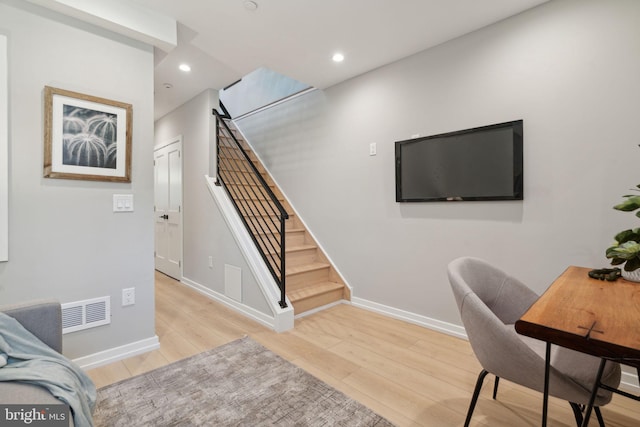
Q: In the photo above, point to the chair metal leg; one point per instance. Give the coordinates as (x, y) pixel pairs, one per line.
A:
(577, 413)
(599, 416)
(545, 394)
(587, 412)
(474, 399)
(578, 410)
(495, 387)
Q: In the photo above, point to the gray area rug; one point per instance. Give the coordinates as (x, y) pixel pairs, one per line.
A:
(238, 384)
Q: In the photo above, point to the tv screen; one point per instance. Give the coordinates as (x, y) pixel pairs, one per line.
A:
(483, 163)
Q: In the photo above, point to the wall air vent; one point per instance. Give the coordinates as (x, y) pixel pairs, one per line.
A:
(86, 314)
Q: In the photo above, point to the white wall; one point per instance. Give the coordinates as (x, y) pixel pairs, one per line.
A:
(64, 240)
(205, 232)
(257, 89)
(569, 69)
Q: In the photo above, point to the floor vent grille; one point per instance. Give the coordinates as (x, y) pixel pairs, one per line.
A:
(90, 313)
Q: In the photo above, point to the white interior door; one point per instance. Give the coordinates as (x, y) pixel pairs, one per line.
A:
(168, 208)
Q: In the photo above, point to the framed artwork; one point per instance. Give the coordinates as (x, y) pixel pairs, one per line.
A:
(86, 137)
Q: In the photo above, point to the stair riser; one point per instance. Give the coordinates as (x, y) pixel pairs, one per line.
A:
(269, 246)
(231, 162)
(301, 257)
(232, 166)
(261, 207)
(291, 260)
(294, 238)
(316, 301)
(230, 153)
(296, 281)
(248, 197)
(272, 220)
(228, 140)
(265, 226)
(242, 193)
(236, 162)
(237, 182)
(240, 177)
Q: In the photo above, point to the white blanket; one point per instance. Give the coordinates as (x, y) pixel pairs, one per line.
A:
(31, 361)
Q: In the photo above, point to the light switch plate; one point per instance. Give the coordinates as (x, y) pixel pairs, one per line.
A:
(123, 202)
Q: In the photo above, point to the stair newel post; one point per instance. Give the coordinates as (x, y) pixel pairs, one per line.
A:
(283, 301)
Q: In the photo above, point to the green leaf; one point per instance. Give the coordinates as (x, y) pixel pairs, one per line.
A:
(628, 235)
(631, 204)
(627, 250)
(632, 264)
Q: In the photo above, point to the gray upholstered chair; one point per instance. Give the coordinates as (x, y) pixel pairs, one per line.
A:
(490, 302)
(43, 318)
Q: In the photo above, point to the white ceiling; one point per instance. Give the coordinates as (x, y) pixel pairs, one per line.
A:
(223, 41)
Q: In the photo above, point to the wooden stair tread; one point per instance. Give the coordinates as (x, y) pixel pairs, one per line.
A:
(247, 184)
(312, 291)
(299, 269)
(263, 215)
(287, 230)
(252, 197)
(296, 248)
(294, 230)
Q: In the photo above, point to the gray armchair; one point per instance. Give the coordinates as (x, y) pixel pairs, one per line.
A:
(490, 302)
(43, 318)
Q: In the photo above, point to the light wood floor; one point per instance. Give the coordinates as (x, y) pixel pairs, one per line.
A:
(411, 375)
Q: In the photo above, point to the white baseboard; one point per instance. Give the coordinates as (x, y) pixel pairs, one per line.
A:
(118, 353)
(407, 316)
(629, 380)
(279, 323)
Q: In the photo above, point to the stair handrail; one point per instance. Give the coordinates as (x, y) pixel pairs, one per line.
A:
(283, 215)
(264, 184)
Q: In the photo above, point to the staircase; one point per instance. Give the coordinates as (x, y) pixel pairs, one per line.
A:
(311, 281)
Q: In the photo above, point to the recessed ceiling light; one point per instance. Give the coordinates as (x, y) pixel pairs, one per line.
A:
(184, 67)
(338, 57)
(250, 5)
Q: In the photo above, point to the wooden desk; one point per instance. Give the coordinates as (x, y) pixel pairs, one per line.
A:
(588, 315)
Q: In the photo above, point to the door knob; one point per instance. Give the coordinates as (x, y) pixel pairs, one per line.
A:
(165, 216)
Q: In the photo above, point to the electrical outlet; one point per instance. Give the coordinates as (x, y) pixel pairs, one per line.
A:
(372, 149)
(128, 296)
(210, 261)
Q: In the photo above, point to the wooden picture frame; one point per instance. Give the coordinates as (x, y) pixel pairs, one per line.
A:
(86, 137)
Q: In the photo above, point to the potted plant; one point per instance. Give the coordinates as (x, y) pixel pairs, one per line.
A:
(626, 249)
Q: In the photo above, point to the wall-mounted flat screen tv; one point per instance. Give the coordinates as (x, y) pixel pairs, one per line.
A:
(483, 163)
